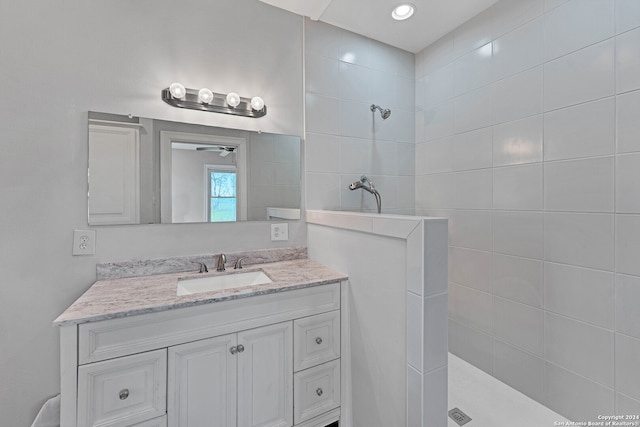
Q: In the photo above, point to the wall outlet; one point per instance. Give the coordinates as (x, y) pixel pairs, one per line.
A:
(279, 231)
(84, 242)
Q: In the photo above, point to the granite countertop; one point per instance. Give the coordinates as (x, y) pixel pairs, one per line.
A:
(124, 297)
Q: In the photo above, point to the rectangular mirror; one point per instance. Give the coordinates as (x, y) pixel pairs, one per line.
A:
(149, 171)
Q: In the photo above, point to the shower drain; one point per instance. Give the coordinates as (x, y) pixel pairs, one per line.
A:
(459, 417)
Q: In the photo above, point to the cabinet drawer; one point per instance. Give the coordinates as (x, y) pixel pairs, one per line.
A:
(316, 391)
(316, 340)
(123, 391)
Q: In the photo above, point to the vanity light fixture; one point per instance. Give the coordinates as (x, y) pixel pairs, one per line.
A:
(403, 11)
(204, 99)
(205, 95)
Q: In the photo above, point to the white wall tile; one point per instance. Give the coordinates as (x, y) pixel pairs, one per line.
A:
(406, 159)
(580, 131)
(509, 15)
(322, 39)
(438, 86)
(473, 189)
(518, 279)
(472, 110)
(435, 332)
(323, 191)
(518, 96)
(473, 346)
(627, 123)
(470, 308)
(355, 155)
(383, 58)
(627, 307)
(576, 24)
(472, 150)
(322, 153)
(518, 142)
(575, 396)
(628, 183)
(518, 324)
(627, 367)
(355, 119)
(519, 369)
(436, 55)
(564, 87)
(562, 283)
(563, 336)
(382, 88)
(355, 49)
(518, 50)
(438, 121)
(518, 187)
(435, 401)
(435, 156)
(471, 229)
(321, 74)
(627, 15)
(354, 82)
(384, 158)
(472, 268)
(415, 322)
(579, 185)
(436, 191)
(322, 114)
(628, 244)
(472, 70)
(581, 239)
(518, 233)
(414, 393)
(628, 61)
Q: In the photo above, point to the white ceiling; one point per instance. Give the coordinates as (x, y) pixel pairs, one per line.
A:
(372, 18)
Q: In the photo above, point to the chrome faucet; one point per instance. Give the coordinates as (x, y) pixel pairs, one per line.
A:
(222, 259)
(238, 264)
(371, 189)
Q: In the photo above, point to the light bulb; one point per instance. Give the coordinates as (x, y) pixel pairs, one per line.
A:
(403, 11)
(257, 103)
(233, 99)
(205, 95)
(177, 90)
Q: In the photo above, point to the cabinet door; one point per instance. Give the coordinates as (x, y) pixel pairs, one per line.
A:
(265, 377)
(202, 383)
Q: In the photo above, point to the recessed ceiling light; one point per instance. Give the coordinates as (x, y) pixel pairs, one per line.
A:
(403, 11)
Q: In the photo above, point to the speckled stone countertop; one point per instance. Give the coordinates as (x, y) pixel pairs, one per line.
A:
(124, 297)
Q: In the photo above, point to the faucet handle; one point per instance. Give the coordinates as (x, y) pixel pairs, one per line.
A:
(203, 267)
(238, 264)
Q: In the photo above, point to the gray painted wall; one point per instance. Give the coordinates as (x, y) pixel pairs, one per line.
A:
(63, 59)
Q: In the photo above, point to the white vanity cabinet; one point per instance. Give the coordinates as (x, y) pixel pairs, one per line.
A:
(269, 360)
(243, 379)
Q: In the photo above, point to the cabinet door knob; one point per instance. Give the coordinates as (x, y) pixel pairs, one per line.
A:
(318, 340)
(123, 394)
(240, 348)
(233, 349)
(319, 391)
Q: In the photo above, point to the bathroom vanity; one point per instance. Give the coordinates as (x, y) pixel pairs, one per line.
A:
(135, 353)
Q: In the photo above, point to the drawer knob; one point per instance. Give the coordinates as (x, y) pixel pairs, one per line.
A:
(123, 394)
(233, 349)
(319, 391)
(240, 348)
(318, 340)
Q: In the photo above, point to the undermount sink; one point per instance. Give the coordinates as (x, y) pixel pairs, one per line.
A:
(195, 285)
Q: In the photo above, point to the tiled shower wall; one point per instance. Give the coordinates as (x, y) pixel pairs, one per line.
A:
(528, 140)
(344, 74)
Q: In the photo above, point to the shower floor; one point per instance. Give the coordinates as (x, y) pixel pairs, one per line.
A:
(490, 402)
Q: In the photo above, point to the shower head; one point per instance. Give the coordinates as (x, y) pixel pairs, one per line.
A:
(385, 113)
